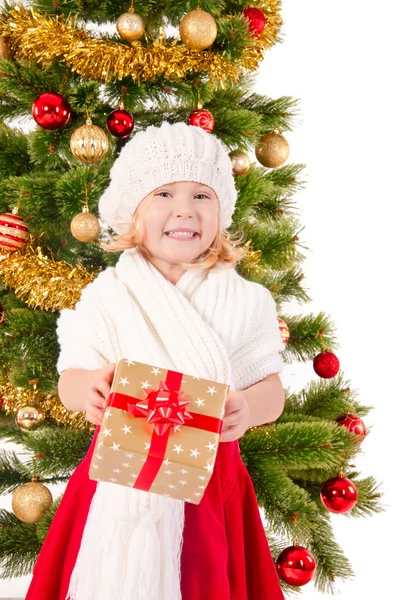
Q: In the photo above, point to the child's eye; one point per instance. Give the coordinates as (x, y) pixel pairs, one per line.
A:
(163, 194)
(203, 196)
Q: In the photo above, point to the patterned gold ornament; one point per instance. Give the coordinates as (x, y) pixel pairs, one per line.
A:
(89, 143)
(31, 501)
(240, 162)
(283, 328)
(28, 418)
(85, 226)
(198, 29)
(14, 232)
(4, 49)
(130, 26)
(272, 150)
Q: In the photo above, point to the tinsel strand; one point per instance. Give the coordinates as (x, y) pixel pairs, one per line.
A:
(43, 39)
(42, 282)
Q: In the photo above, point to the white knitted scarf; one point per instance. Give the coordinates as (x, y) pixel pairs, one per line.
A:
(131, 546)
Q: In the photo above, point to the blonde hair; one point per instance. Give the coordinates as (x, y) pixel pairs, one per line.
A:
(223, 250)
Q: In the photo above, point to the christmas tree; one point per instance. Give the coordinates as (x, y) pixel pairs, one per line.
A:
(89, 86)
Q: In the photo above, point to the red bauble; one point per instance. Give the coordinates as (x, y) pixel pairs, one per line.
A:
(120, 123)
(1, 313)
(339, 494)
(14, 232)
(326, 365)
(257, 20)
(202, 118)
(296, 565)
(51, 111)
(354, 424)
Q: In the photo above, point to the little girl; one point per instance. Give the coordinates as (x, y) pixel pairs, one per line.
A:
(173, 300)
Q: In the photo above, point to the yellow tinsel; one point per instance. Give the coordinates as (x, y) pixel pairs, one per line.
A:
(42, 282)
(251, 261)
(14, 398)
(44, 39)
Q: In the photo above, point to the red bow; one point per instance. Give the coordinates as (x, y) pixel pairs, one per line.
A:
(162, 408)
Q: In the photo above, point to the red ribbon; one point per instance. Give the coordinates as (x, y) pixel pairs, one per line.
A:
(163, 407)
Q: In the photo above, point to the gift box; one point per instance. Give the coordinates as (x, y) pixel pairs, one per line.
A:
(160, 431)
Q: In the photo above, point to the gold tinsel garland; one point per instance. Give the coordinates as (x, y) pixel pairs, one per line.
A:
(42, 282)
(13, 398)
(45, 39)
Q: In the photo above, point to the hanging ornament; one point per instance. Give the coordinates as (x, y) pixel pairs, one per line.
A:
(272, 150)
(339, 494)
(257, 20)
(31, 501)
(130, 26)
(354, 424)
(28, 418)
(198, 29)
(4, 49)
(240, 162)
(201, 118)
(326, 365)
(51, 111)
(283, 328)
(1, 313)
(120, 123)
(296, 565)
(85, 226)
(89, 143)
(14, 232)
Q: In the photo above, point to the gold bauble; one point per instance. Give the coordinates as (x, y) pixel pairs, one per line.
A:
(130, 26)
(89, 143)
(240, 162)
(283, 328)
(85, 226)
(4, 49)
(31, 501)
(28, 418)
(198, 29)
(272, 150)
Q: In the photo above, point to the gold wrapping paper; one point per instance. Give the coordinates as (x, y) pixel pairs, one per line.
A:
(124, 440)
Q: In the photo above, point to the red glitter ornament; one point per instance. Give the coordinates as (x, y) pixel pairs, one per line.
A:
(354, 424)
(120, 123)
(14, 232)
(257, 20)
(51, 111)
(339, 494)
(326, 365)
(296, 565)
(283, 328)
(202, 118)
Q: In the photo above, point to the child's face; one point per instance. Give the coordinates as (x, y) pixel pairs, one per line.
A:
(181, 205)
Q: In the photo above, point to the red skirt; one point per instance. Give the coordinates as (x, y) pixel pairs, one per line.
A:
(225, 554)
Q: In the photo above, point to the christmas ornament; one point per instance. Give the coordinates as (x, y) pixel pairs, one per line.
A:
(256, 18)
(85, 226)
(51, 111)
(14, 232)
(240, 162)
(28, 418)
(198, 29)
(354, 424)
(31, 501)
(272, 150)
(326, 365)
(339, 494)
(1, 313)
(283, 328)
(130, 26)
(201, 118)
(89, 143)
(4, 49)
(120, 123)
(296, 565)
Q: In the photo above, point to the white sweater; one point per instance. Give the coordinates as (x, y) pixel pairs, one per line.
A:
(240, 312)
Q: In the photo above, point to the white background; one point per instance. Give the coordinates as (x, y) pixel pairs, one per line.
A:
(338, 58)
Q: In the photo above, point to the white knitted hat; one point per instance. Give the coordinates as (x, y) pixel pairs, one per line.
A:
(161, 155)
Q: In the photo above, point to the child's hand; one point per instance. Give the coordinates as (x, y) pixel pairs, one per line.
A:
(237, 418)
(98, 392)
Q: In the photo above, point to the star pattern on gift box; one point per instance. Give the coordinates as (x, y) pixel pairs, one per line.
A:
(155, 371)
(211, 447)
(211, 391)
(200, 402)
(145, 384)
(178, 449)
(124, 381)
(107, 432)
(129, 362)
(126, 429)
(195, 452)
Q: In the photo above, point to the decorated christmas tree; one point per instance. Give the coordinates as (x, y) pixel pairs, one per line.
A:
(77, 80)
